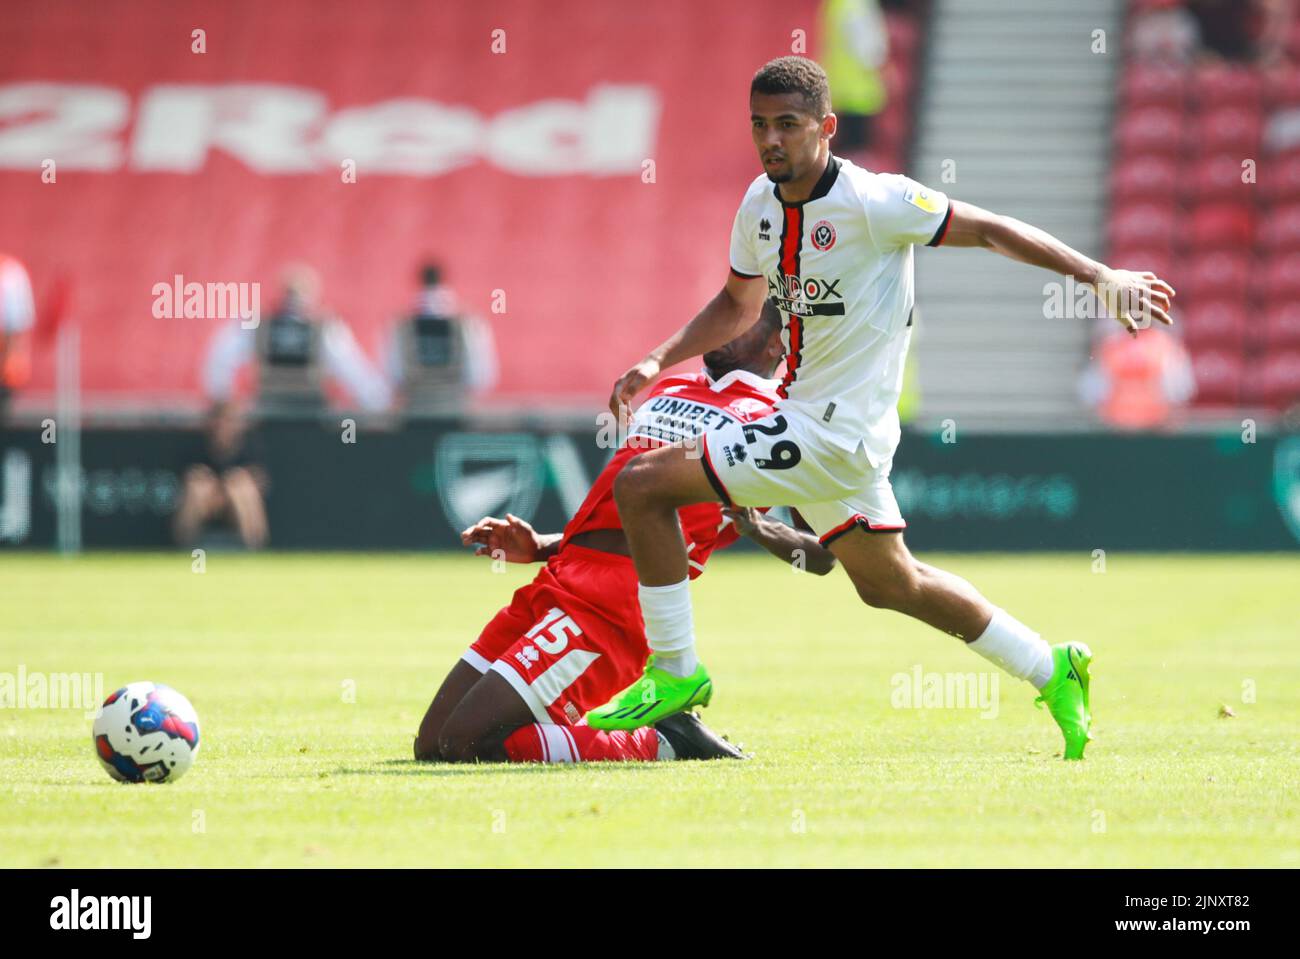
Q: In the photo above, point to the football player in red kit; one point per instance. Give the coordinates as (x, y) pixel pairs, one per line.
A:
(574, 635)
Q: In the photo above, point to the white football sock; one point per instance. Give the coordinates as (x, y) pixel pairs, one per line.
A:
(1013, 646)
(668, 626)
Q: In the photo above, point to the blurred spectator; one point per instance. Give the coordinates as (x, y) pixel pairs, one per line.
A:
(1138, 382)
(439, 352)
(1166, 31)
(17, 314)
(1179, 31)
(1243, 30)
(226, 485)
(854, 47)
(295, 350)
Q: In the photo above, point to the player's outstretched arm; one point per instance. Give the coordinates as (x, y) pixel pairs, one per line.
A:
(1132, 298)
(784, 542)
(726, 316)
(512, 538)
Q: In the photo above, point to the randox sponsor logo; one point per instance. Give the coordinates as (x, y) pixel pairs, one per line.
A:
(806, 295)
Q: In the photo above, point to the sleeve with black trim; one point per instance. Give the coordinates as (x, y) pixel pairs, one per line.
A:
(902, 211)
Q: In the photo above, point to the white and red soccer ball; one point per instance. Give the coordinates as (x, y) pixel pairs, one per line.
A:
(146, 732)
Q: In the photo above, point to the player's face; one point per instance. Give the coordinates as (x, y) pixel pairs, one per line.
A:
(787, 135)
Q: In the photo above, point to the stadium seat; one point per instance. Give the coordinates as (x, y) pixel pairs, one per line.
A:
(1280, 231)
(1147, 224)
(1152, 130)
(1182, 133)
(1293, 40)
(1222, 275)
(1218, 84)
(1281, 326)
(1158, 259)
(1279, 179)
(1228, 129)
(1217, 177)
(1215, 324)
(891, 128)
(1283, 87)
(1282, 277)
(1154, 86)
(1150, 177)
(1220, 226)
(1278, 378)
(1218, 376)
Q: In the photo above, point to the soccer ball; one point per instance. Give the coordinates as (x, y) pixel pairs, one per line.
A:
(146, 733)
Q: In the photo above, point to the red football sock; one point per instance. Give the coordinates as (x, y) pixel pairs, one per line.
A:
(552, 743)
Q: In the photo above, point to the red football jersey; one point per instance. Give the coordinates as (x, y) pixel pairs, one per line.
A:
(680, 408)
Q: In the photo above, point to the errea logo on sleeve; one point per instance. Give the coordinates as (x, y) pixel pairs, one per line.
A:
(921, 199)
(76, 912)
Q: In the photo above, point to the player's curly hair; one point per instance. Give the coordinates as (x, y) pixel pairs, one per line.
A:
(795, 75)
(770, 316)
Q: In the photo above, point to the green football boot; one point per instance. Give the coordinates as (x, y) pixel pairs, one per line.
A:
(1066, 696)
(655, 696)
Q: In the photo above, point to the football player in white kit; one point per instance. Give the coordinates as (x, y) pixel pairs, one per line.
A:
(833, 244)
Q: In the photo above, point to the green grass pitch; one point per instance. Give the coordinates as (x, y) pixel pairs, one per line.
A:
(310, 674)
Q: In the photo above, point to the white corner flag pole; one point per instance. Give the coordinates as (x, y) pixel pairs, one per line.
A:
(67, 445)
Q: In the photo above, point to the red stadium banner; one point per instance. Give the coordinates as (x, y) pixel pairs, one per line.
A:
(574, 165)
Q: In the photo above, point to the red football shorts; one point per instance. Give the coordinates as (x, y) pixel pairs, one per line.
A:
(571, 638)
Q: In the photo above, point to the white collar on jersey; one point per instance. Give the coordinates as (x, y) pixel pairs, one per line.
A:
(753, 379)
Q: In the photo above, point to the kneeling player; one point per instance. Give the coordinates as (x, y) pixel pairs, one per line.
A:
(574, 636)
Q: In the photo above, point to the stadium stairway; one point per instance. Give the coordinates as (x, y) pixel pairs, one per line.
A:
(1017, 107)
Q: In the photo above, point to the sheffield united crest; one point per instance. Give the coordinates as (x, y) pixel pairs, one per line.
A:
(823, 235)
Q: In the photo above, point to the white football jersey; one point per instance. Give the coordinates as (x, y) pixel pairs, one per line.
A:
(839, 267)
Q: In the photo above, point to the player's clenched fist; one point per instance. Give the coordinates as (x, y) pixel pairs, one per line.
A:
(1134, 299)
(516, 538)
(631, 383)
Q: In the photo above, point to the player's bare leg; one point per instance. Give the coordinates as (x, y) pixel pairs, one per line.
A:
(246, 503)
(887, 576)
(484, 718)
(202, 499)
(648, 493)
(459, 681)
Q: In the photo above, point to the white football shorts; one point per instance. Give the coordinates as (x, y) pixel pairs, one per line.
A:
(784, 459)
